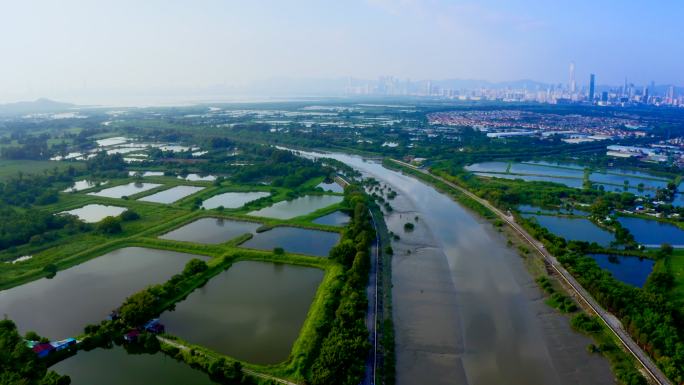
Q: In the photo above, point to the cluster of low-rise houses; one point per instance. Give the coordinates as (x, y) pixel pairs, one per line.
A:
(44, 349)
(573, 128)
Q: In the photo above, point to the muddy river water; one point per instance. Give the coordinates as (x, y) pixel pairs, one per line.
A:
(466, 310)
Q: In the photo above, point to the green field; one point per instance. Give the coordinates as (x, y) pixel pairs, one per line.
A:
(675, 264)
(10, 168)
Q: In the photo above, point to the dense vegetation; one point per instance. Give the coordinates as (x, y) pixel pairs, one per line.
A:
(646, 313)
(21, 217)
(345, 346)
(19, 365)
(281, 168)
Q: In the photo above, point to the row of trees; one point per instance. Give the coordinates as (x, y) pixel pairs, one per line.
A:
(344, 348)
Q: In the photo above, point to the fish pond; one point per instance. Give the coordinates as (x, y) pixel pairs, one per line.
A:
(172, 195)
(628, 269)
(574, 229)
(199, 178)
(253, 311)
(146, 173)
(653, 233)
(571, 175)
(331, 187)
(337, 218)
(211, 230)
(115, 367)
(297, 207)
(95, 212)
(632, 181)
(87, 293)
(125, 190)
(295, 240)
(84, 185)
(233, 200)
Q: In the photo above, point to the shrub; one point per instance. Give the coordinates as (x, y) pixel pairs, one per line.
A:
(109, 225)
(129, 215)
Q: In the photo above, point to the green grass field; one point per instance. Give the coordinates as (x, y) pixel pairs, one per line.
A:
(675, 264)
(10, 168)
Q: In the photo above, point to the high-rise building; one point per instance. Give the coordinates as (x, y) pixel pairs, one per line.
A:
(670, 95)
(604, 97)
(572, 85)
(592, 79)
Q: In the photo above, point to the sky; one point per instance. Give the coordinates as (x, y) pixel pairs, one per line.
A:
(78, 49)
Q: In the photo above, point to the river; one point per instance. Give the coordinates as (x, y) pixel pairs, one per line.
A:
(466, 310)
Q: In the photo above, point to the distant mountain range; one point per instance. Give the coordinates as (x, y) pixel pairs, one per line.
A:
(41, 105)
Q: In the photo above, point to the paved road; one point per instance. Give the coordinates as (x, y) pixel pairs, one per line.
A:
(611, 321)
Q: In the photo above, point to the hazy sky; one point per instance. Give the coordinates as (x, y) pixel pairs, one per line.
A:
(67, 48)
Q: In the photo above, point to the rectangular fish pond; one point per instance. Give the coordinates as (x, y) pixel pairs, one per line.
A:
(84, 294)
(211, 230)
(95, 212)
(116, 367)
(172, 195)
(125, 190)
(297, 207)
(253, 311)
(295, 240)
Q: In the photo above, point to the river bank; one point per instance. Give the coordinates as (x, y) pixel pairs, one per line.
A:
(466, 310)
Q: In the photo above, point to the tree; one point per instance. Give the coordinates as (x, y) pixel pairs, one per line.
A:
(110, 225)
(666, 249)
(344, 252)
(138, 308)
(195, 266)
(129, 215)
(18, 364)
(50, 269)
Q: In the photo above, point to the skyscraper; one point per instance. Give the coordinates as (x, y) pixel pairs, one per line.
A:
(625, 91)
(592, 79)
(572, 85)
(670, 95)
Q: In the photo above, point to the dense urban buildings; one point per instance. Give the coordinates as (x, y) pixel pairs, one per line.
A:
(524, 91)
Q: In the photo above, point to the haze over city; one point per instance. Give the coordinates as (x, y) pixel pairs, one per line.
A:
(131, 52)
